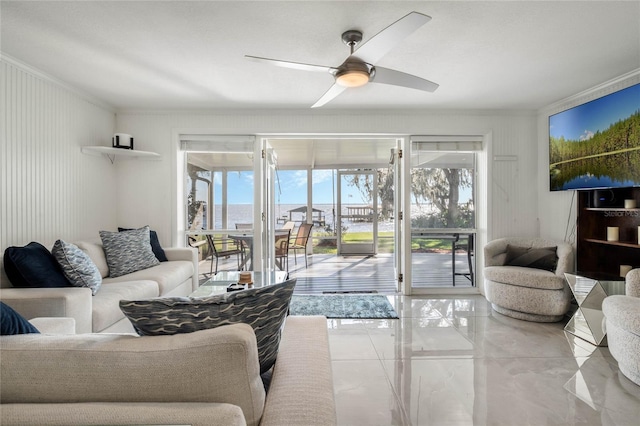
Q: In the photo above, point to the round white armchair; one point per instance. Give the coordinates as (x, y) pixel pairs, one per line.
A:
(524, 278)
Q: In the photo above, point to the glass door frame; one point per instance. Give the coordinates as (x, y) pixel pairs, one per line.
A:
(265, 198)
(358, 248)
(398, 198)
(480, 170)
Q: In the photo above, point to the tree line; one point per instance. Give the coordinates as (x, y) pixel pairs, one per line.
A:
(622, 135)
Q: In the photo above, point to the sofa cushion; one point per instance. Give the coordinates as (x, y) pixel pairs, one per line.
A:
(263, 308)
(94, 250)
(128, 251)
(77, 266)
(532, 257)
(33, 266)
(105, 310)
(524, 277)
(168, 275)
(210, 366)
(302, 383)
(124, 413)
(155, 244)
(12, 322)
(54, 325)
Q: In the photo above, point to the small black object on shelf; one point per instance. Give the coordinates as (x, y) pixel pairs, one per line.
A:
(120, 140)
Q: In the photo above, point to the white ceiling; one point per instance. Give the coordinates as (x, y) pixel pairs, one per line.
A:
(189, 55)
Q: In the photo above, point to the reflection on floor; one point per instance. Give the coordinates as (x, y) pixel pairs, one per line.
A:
(453, 361)
(363, 273)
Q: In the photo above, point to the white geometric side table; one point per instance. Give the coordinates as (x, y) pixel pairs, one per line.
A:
(589, 293)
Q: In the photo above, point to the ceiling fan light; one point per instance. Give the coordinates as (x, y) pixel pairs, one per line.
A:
(353, 78)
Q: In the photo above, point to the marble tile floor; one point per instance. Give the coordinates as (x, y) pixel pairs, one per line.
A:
(453, 361)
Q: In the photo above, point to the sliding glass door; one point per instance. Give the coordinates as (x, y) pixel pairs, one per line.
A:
(218, 195)
(443, 219)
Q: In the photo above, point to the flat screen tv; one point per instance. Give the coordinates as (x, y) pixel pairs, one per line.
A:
(597, 144)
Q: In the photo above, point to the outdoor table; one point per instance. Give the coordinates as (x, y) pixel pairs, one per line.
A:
(247, 239)
(452, 234)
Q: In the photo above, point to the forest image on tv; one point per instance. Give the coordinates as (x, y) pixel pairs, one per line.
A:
(597, 144)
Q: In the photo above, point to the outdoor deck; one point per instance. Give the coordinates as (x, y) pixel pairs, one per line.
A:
(331, 273)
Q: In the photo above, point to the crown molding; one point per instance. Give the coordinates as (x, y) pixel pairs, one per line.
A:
(37, 73)
(603, 89)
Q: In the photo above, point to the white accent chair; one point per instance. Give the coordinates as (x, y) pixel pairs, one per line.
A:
(527, 293)
(622, 322)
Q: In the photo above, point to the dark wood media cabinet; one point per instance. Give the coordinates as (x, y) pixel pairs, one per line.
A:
(594, 252)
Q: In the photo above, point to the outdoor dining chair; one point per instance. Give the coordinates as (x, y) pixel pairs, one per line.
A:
(289, 225)
(282, 249)
(224, 247)
(244, 227)
(300, 242)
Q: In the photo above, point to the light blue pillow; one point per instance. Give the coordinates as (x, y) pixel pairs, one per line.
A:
(77, 266)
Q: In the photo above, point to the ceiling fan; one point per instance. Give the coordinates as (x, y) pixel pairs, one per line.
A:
(359, 68)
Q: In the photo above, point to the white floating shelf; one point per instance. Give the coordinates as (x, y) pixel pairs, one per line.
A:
(120, 152)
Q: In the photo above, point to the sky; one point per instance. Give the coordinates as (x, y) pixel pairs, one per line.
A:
(583, 121)
(291, 188)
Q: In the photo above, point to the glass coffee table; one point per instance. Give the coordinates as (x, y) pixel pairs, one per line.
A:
(589, 293)
(218, 283)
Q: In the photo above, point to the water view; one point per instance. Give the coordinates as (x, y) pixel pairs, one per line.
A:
(243, 213)
(604, 171)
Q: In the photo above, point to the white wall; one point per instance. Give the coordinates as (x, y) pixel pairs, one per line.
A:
(49, 190)
(144, 196)
(558, 208)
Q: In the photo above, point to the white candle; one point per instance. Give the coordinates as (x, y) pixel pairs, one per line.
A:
(624, 270)
(612, 233)
(629, 204)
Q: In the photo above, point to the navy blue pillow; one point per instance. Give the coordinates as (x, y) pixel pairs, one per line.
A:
(33, 266)
(12, 322)
(155, 244)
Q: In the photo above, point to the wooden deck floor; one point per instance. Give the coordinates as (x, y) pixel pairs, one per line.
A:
(331, 273)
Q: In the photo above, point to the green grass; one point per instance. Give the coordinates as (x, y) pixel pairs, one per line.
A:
(385, 243)
(428, 244)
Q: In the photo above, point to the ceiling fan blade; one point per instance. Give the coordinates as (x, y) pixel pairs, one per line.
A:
(397, 78)
(334, 91)
(380, 44)
(293, 65)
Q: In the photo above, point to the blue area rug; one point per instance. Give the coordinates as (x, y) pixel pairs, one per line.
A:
(363, 306)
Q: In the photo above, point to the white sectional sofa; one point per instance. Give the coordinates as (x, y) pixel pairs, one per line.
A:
(101, 313)
(208, 377)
